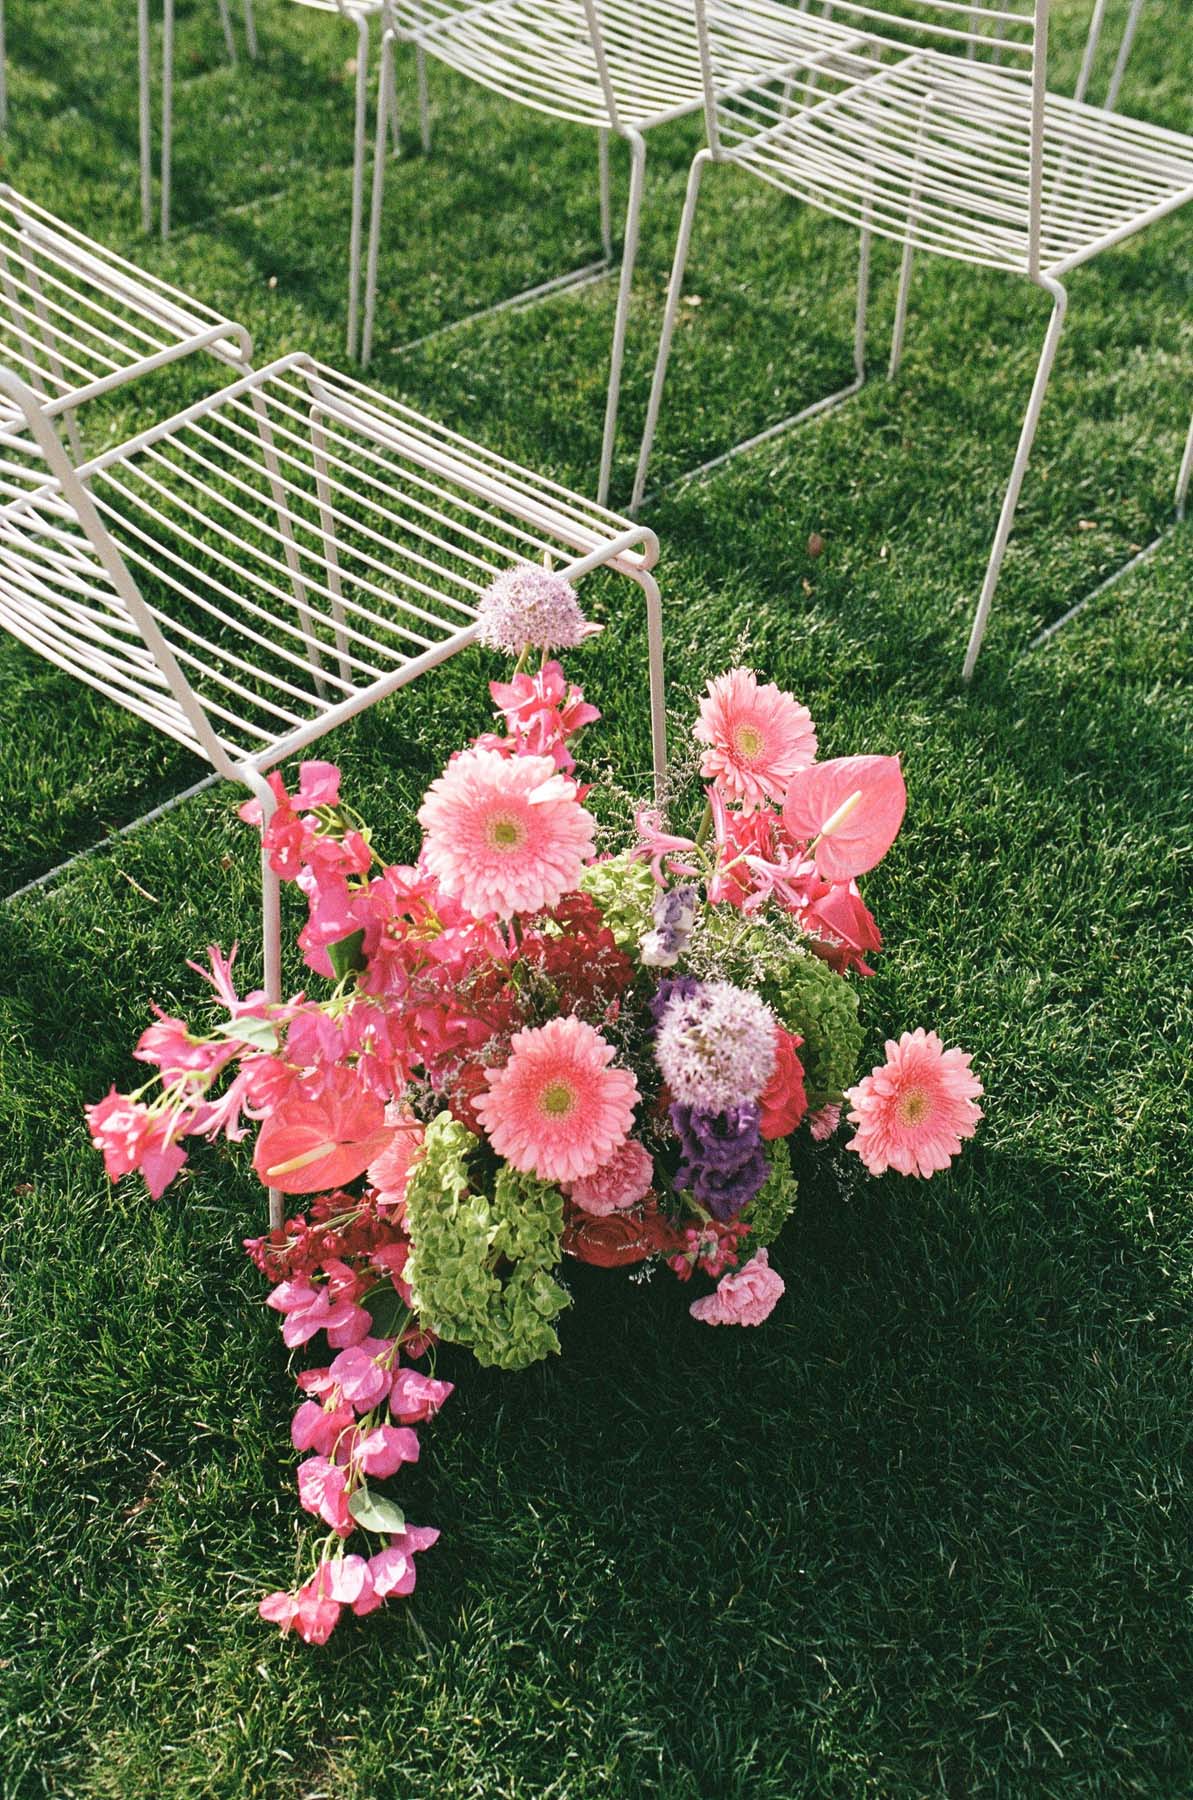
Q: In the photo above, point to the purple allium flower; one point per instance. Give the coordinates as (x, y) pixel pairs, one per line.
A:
(674, 916)
(716, 1047)
(529, 607)
(722, 1159)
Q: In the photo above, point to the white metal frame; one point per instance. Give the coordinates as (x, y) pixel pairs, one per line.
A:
(360, 14)
(939, 131)
(145, 98)
(76, 320)
(274, 559)
(621, 67)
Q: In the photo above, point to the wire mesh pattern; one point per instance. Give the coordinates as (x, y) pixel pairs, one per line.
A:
(76, 320)
(938, 149)
(275, 558)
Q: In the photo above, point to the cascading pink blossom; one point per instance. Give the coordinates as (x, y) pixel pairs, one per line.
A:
(557, 1110)
(758, 737)
(914, 1110)
(505, 835)
(746, 1296)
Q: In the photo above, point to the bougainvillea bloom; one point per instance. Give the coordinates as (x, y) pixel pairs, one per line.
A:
(757, 738)
(505, 835)
(744, 1297)
(852, 808)
(914, 1110)
(311, 1144)
(531, 608)
(622, 1181)
(557, 1110)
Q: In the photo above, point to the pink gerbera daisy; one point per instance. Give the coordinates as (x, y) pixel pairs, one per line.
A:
(556, 1109)
(913, 1111)
(504, 835)
(757, 737)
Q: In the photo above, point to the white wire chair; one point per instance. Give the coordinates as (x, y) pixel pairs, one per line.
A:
(145, 98)
(938, 130)
(621, 67)
(76, 320)
(269, 562)
(360, 15)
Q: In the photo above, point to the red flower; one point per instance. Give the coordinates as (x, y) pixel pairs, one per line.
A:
(782, 1101)
(618, 1239)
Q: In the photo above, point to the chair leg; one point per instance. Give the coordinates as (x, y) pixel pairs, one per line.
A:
(145, 115)
(606, 206)
(629, 254)
(377, 197)
(1011, 501)
(167, 147)
(1182, 481)
(250, 30)
(674, 289)
(658, 693)
(424, 99)
(358, 178)
(229, 36)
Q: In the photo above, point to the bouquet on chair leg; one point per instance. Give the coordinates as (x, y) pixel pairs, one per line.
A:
(529, 1050)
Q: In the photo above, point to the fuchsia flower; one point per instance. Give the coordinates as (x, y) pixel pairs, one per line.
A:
(557, 1110)
(322, 1490)
(541, 711)
(380, 1452)
(746, 1296)
(132, 1137)
(758, 737)
(358, 1373)
(660, 848)
(624, 1180)
(822, 1124)
(914, 1110)
(414, 1397)
(505, 836)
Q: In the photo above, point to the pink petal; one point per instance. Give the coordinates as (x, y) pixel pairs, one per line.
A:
(860, 838)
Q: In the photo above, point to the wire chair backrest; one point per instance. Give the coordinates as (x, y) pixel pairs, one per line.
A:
(1101, 39)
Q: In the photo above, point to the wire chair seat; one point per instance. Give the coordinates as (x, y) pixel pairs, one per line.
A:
(304, 546)
(543, 53)
(76, 320)
(936, 150)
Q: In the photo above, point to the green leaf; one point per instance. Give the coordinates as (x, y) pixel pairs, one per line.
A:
(262, 1033)
(388, 1311)
(347, 954)
(375, 1512)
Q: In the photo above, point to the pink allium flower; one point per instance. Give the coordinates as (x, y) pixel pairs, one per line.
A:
(557, 1110)
(505, 835)
(913, 1111)
(716, 1046)
(529, 607)
(822, 1124)
(757, 738)
(624, 1180)
(745, 1297)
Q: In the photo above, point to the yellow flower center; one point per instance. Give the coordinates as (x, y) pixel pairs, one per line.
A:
(557, 1099)
(505, 832)
(914, 1107)
(749, 741)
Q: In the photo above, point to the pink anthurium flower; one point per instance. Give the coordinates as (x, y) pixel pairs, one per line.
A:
(848, 811)
(310, 1145)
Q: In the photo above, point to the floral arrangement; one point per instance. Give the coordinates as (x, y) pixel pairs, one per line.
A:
(535, 1049)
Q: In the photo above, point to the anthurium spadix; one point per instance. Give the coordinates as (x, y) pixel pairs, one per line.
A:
(848, 811)
(310, 1145)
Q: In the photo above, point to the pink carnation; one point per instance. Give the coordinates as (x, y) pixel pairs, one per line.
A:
(744, 1297)
(758, 737)
(622, 1181)
(557, 1110)
(914, 1110)
(504, 835)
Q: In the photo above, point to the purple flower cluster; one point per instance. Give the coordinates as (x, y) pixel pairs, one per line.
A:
(674, 916)
(721, 1157)
(716, 1046)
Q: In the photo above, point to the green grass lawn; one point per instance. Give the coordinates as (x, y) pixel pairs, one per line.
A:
(927, 1533)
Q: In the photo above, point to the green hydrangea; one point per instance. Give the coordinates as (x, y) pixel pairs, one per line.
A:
(771, 1206)
(811, 999)
(625, 892)
(481, 1264)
